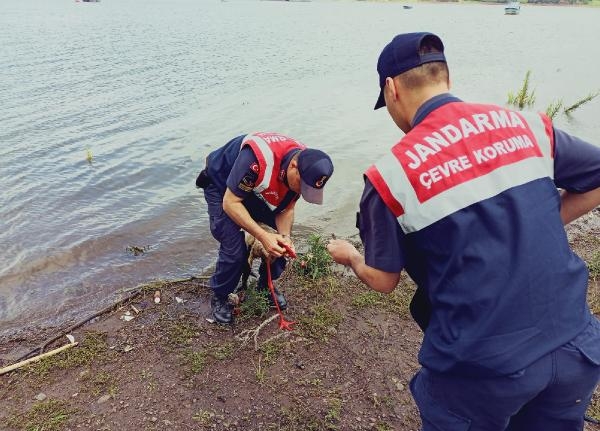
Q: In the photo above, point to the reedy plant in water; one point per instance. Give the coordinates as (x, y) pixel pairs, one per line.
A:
(526, 98)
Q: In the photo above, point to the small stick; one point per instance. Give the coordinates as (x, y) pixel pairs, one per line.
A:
(246, 334)
(71, 328)
(35, 358)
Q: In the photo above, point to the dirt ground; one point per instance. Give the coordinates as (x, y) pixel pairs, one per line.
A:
(147, 366)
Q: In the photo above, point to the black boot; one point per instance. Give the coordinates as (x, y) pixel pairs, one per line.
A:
(280, 298)
(221, 310)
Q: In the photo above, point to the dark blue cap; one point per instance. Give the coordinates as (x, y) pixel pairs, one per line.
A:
(315, 169)
(402, 54)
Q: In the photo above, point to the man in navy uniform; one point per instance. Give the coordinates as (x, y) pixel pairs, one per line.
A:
(255, 178)
(471, 197)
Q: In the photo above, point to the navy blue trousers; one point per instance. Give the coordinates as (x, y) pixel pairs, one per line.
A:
(552, 394)
(233, 253)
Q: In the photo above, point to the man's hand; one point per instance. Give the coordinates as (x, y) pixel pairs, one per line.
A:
(271, 242)
(342, 251)
(345, 253)
(287, 241)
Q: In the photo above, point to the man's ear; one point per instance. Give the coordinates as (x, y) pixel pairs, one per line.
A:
(390, 85)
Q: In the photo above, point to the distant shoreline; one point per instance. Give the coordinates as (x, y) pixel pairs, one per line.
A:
(562, 3)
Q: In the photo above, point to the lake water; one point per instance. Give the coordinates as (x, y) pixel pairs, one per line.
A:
(147, 89)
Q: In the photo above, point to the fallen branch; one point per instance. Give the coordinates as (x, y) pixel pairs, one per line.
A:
(35, 358)
(246, 334)
(134, 292)
(40, 349)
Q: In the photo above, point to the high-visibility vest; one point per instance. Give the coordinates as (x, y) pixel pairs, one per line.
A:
(270, 149)
(460, 154)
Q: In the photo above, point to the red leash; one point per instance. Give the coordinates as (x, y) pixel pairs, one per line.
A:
(283, 324)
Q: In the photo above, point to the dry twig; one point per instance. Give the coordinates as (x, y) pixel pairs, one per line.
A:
(246, 334)
(35, 358)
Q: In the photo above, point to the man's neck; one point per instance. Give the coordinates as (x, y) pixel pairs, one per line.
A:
(416, 98)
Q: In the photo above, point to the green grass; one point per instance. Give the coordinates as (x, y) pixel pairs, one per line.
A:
(92, 348)
(320, 323)
(259, 370)
(594, 408)
(101, 382)
(367, 299)
(222, 352)
(50, 415)
(194, 361)
(256, 304)
(395, 302)
(296, 418)
(316, 262)
(593, 265)
(334, 413)
(271, 350)
(181, 333)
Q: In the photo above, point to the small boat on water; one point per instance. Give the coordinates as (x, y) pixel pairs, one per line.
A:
(407, 6)
(512, 8)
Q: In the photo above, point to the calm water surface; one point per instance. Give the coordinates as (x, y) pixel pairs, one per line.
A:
(149, 88)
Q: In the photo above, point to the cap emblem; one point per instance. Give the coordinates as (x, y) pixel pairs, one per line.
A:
(320, 182)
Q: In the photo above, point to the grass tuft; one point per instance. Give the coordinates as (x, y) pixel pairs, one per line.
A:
(222, 352)
(271, 350)
(256, 304)
(50, 415)
(321, 322)
(553, 109)
(316, 262)
(593, 265)
(92, 348)
(524, 97)
(569, 109)
(181, 333)
(334, 413)
(194, 361)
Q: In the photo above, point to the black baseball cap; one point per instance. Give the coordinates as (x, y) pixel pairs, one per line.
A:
(402, 54)
(315, 169)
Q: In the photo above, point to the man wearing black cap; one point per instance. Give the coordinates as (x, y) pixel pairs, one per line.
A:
(470, 194)
(257, 178)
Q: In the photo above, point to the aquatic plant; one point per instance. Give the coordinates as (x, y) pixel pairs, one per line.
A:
(568, 110)
(526, 97)
(554, 108)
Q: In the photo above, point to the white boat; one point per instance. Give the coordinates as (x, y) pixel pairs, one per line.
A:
(512, 8)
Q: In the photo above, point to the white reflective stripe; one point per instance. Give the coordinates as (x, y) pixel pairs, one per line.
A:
(470, 192)
(394, 176)
(419, 215)
(267, 153)
(537, 126)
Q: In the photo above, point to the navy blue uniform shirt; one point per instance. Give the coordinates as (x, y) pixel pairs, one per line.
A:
(489, 272)
(576, 169)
